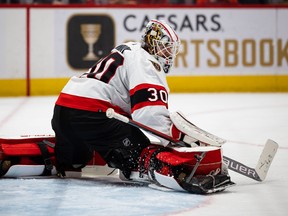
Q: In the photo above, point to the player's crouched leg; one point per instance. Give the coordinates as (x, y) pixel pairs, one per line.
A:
(124, 159)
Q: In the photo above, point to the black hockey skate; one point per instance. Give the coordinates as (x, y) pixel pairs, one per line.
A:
(207, 184)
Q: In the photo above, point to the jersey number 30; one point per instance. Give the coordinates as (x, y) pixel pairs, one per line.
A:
(156, 95)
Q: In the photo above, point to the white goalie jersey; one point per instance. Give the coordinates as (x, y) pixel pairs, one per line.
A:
(129, 80)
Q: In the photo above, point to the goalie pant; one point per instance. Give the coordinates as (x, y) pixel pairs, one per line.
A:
(157, 164)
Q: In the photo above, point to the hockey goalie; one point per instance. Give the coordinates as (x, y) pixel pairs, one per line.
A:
(131, 79)
(196, 168)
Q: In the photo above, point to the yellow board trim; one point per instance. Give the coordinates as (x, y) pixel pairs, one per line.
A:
(47, 86)
(15, 87)
(177, 84)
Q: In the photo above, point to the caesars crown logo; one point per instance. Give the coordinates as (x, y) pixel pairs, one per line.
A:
(89, 38)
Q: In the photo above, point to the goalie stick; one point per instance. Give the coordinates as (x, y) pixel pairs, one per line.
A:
(258, 173)
(110, 113)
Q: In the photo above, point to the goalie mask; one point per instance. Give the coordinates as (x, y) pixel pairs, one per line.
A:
(160, 40)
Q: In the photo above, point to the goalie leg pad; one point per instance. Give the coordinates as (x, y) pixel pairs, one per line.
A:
(26, 151)
(187, 159)
(171, 168)
(165, 160)
(22, 156)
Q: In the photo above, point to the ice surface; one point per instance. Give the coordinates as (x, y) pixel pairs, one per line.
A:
(245, 120)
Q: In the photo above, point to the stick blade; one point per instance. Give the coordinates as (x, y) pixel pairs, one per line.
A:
(266, 159)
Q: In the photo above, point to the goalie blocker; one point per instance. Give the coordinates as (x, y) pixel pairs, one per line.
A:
(196, 170)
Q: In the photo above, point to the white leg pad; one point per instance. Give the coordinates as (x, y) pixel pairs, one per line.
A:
(26, 170)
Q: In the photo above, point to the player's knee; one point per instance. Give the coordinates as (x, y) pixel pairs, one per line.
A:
(122, 159)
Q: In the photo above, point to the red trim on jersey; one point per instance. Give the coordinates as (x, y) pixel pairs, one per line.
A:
(148, 103)
(146, 86)
(84, 103)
